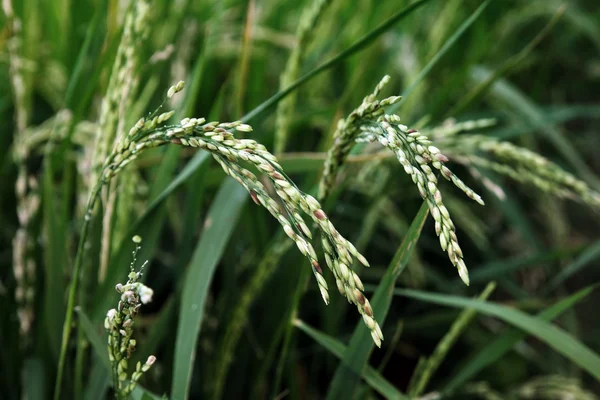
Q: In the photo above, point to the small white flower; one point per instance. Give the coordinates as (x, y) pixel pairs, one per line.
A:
(145, 293)
(111, 314)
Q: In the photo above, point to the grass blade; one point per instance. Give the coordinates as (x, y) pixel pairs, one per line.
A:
(585, 258)
(222, 219)
(357, 46)
(553, 336)
(369, 374)
(449, 43)
(98, 342)
(432, 363)
(34, 379)
(347, 374)
(504, 343)
(54, 262)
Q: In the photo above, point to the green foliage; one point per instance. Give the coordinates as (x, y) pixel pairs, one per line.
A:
(503, 93)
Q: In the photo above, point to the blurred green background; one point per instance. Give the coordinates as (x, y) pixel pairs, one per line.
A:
(233, 314)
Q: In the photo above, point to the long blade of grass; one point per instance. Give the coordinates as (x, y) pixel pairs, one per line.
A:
(34, 379)
(449, 43)
(54, 261)
(553, 336)
(357, 46)
(221, 221)
(430, 366)
(509, 65)
(369, 374)
(99, 344)
(505, 342)
(98, 382)
(585, 258)
(237, 321)
(160, 329)
(347, 375)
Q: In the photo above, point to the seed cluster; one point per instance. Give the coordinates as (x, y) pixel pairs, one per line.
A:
(348, 131)
(522, 165)
(119, 325)
(417, 155)
(288, 207)
(419, 158)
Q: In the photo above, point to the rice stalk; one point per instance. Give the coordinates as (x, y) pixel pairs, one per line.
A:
(285, 109)
(122, 86)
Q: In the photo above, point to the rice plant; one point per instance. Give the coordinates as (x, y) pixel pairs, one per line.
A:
(304, 152)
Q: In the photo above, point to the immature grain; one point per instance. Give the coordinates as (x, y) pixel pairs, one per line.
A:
(26, 187)
(416, 154)
(522, 165)
(119, 324)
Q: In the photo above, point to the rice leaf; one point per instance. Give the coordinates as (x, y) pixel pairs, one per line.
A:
(553, 336)
(219, 225)
(369, 374)
(507, 340)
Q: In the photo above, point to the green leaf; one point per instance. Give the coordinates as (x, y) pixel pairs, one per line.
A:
(98, 342)
(161, 326)
(440, 53)
(347, 374)
(419, 381)
(369, 374)
(55, 261)
(98, 382)
(357, 46)
(585, 258)
(505, 342)
(34, 379)
(556, 338)
(220, 222)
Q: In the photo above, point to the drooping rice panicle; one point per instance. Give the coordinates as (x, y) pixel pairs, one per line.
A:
(416, 154)
(522, 165)
(26, 186)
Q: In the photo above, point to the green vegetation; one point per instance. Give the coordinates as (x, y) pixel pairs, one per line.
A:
(342, 119)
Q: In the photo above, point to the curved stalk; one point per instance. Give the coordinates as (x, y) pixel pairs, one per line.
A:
(74, 283)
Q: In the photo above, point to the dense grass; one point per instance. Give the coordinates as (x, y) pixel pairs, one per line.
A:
(236, 311)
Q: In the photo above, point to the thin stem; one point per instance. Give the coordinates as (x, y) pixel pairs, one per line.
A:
(73, 287)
